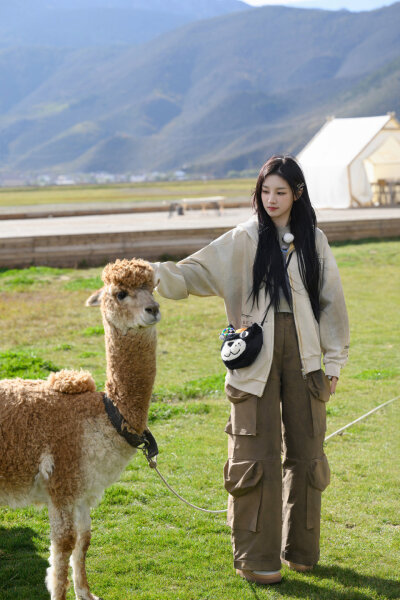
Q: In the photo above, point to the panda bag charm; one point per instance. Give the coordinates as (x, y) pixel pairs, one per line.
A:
(240, 348)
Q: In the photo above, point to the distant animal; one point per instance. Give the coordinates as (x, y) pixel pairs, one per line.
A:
(58, 439)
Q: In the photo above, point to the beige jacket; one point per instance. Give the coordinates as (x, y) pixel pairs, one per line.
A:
(224, 268)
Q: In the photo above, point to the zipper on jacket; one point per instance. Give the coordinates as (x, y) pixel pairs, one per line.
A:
(303, 371)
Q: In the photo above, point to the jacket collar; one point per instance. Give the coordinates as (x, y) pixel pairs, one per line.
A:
(251, 228)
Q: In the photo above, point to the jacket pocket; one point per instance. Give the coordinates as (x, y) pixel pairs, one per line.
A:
(243, 417)
(243, 481)
(318, 478)
(319, 392)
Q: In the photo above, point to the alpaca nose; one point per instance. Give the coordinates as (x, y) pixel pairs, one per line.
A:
(153, 309)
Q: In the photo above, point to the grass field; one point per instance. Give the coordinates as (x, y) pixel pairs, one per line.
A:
(148, 546)
(129, 192)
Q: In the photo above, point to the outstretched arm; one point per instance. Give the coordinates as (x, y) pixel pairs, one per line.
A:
(204, 273)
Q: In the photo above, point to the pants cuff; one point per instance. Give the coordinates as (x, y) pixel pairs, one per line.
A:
(258, 565)
(308, 561)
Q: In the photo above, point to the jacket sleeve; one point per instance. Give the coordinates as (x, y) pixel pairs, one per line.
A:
(334, 323)
(204, 273)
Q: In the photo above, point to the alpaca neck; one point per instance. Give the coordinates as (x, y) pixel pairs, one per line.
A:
(131, 370)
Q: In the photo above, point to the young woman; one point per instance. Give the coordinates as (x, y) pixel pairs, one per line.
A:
(276, 270)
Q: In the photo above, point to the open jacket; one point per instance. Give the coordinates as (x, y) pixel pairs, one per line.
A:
(225, 268)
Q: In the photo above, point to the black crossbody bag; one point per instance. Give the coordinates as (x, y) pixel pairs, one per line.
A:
(241, 349)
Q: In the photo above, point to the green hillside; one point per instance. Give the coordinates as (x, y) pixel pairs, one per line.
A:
(215, 95)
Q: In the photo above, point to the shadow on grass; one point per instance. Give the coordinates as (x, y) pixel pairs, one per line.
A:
(358, 586)
(22, 570)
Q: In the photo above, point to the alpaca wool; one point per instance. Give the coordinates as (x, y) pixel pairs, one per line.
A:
(125, 273)
(57, 444)
(71, 382)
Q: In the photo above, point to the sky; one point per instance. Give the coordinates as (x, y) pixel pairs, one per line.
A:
(354, 5)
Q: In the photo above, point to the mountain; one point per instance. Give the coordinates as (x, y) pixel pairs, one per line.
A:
(215, 95)
(82, 23)
(354, 5)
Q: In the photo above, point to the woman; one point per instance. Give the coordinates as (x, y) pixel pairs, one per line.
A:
(276, 270)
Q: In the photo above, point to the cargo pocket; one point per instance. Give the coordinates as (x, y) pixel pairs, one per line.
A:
(243, 418)
(243, 481)
(319, 391)
(318, 478)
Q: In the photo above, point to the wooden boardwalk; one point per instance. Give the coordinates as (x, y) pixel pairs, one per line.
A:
(97, 238)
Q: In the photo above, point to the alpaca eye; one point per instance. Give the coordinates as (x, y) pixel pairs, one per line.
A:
(122, 295)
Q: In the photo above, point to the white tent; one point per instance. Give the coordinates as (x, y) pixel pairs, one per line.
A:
(348, 158)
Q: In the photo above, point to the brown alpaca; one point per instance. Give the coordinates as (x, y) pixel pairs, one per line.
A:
(57, 443)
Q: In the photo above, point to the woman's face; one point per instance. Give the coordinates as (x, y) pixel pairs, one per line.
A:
(277, 198)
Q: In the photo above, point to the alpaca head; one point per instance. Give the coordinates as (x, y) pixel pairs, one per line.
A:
(126, 299)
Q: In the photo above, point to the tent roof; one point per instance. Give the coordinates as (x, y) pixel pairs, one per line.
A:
(339, 141)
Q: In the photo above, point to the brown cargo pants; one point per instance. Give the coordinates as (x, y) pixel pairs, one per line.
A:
(274, 509)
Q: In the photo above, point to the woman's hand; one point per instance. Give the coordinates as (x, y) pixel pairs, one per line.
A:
(334, 381)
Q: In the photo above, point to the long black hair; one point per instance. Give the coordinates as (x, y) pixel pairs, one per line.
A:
(268, 267)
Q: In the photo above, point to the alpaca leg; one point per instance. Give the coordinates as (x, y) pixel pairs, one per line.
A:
(78, 558)
(63, 537)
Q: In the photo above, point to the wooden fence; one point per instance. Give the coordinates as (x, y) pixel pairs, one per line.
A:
(72, 250)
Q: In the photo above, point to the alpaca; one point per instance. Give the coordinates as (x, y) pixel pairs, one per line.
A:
(58, 445)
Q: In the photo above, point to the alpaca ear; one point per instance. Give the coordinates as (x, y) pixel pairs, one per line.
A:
(95, 298)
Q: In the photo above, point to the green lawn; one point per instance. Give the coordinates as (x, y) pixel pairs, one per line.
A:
(127, 192)
(147, 545)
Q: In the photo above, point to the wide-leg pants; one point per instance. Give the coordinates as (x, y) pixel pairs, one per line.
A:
(274, 507)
